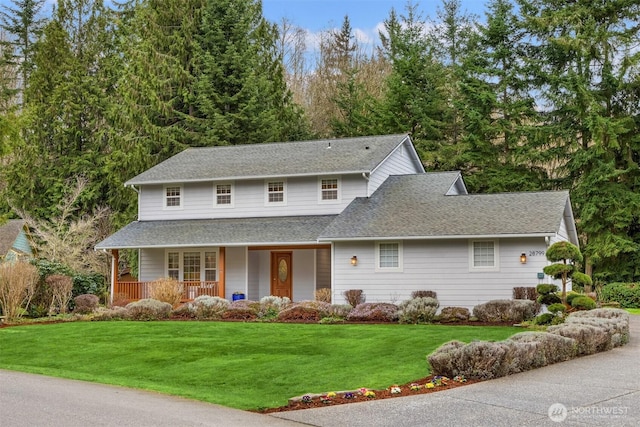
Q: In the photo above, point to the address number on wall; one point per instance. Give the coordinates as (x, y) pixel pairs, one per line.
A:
(536, 253)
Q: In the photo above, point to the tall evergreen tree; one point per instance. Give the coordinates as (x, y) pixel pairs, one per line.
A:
(241, 89)
(499, 113)
(67, 99)
(415, 101)
(23, 26)
(584, 57)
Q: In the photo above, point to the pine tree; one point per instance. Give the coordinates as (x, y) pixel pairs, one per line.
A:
(582, 56)
(499, 112)
(67, 99)
(23, 26)
(241, 89)
(415, 101)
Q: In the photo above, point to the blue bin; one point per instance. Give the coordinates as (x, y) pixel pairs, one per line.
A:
(237, 296)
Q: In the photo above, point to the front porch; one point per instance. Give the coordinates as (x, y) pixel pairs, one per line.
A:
(133, 291)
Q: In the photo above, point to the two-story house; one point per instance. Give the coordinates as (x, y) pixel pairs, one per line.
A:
(289, 218)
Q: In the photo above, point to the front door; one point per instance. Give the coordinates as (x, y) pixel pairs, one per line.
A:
(281, 281)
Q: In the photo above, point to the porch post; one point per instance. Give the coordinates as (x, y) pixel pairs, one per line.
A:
(115, 273)
(222, 273)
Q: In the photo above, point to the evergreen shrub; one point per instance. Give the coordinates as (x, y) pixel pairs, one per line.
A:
(86, 303)
(583, 303)
(626, 294)
(454, 314)
(418, 310)
(208, 307)
(509, 311)
(148, 309)
(374, 312)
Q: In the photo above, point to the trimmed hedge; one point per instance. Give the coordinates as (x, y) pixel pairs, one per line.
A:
(454, 314)
(418, 310)
(374, 312)
(583, 333)
(148, 309)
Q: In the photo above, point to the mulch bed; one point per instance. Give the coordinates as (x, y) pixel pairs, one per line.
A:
(409, 389)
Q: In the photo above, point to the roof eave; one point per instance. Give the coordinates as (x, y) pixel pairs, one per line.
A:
(212, 244)
(438, 237)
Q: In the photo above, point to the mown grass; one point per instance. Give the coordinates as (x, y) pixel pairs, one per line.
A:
(241, 365)
(633, 310)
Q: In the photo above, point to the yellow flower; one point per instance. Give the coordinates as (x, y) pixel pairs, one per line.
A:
(430, 385)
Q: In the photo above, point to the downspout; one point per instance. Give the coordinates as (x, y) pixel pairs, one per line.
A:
(366, 176)
(138, 192)
(114, 272)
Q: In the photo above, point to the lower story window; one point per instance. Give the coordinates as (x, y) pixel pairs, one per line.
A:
(483, 255)
(192, 266)
(389, 256)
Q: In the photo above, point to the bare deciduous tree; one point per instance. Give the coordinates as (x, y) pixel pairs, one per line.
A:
(17, 285)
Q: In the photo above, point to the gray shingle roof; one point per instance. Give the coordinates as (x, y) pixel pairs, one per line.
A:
(9, 233)
(213, 232)
(348, 155)
(408, 206)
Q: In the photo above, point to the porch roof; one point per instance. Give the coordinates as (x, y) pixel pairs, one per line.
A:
(218, 232)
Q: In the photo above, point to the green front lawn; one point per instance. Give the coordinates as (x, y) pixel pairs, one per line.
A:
(633, 310)
(241, 365)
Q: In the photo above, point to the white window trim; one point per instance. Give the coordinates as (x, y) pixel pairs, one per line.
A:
(399, 268)
(202, 252)
(164, 197)
(215, 195)
(339, 189)
(496, 256)
(284, 192)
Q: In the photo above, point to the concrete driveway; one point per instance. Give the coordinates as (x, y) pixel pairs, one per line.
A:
(598, 390)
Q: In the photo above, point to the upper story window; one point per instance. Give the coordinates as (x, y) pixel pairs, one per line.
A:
(483, 255)
(330, 190)
(224, 195)
(389, 256)
(173, 196)
(276, 192)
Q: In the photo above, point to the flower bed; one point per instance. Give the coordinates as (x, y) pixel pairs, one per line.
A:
(429, 384)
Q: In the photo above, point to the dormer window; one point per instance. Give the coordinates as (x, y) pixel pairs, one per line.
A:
(173, 196)
(276, 192)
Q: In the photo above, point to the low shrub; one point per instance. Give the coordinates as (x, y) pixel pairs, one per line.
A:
(323, 294)
(148, 309)
(166, 290)
(510, 311)
(424, 294)
(583, 303)
(240, 313)
(354, 297)
(113, 313)
(208, 307)
(614, 321)
(454, 314)
(61, 287)
(374, 312)
(546, 288)
(557, 308)
(549, 299)
(418, 310)
(525, 292)
(340, 310)
(589, 339)
(573, 295)
(627, 294)
(300, 313)
(544, 319)
(552, 348)
(120, 300)
(86, 303)
(246, 304)
(271, 305)
(17, 286)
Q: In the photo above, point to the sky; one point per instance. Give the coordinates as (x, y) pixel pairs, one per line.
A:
(366, 16)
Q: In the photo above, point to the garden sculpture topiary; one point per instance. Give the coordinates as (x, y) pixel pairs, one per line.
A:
(563, 254)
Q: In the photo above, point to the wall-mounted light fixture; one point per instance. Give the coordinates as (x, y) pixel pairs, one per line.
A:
(354, 260)
(523, 258)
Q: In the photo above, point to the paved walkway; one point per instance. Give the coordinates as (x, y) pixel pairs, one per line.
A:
(598, 390)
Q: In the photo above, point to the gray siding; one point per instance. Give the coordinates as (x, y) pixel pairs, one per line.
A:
(323, 268)
(253, 286)
(151, 265)
(236, 271)
(249, 200)
(441, 266)
(398, 163)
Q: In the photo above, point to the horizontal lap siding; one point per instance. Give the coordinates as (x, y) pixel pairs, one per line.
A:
(151, 265)
(235, 271)
(441, 266)
(398, 163)
(249, 200)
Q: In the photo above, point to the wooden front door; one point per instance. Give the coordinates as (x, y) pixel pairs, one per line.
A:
(281, 274)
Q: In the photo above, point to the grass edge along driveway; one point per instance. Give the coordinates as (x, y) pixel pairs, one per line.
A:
(240, 365)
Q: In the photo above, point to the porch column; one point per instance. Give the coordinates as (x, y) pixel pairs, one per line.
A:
(115, 273)
(222, 273)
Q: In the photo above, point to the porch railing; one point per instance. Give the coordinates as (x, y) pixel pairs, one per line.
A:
(190, 290)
